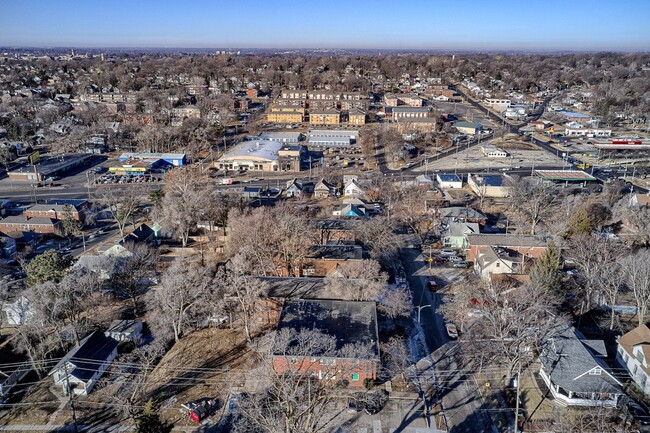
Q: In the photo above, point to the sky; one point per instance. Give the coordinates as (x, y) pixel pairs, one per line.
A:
(475, 25)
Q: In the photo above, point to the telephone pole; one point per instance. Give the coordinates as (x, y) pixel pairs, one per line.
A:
(70, 399)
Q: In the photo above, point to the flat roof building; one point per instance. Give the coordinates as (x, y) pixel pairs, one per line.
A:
(332, 137)
(256, 155)
(175, 159)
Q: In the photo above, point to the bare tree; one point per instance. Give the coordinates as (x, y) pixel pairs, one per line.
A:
(395, 302)
(179, 302)
(532, 201)
(379, 238)
(396, 357)
(357, 281)
(636, 274)
(133, 276)
(123, 206)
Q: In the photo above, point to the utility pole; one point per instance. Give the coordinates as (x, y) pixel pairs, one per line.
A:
(70, 399)
(517, 400)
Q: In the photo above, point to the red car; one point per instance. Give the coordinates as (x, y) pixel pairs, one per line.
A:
(433, 286)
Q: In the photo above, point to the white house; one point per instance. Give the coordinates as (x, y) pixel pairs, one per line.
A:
(498, 104)
(352, 189)
(84, 365)
(19, 312)
(575, 371)
(632, 354)
(497, 260)
(124, 330)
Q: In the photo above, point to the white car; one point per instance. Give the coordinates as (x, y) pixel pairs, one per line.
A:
(447, 252)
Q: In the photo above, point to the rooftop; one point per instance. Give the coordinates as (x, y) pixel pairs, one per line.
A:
(262, 149)
(337, 252)
(17, 219)
(349, 322)
(507, 240)
(448, 177)
(463, 124)
(85, 358)
(489, 179)
(564, 175)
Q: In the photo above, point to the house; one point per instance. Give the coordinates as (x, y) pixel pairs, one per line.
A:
(53, 211)
(324, 189)
(350, 323)
(349, 210)
(352, 189)
(575, 371)
(125, 330)
(489, 185)
(528, 245)
(462, 214)
(455, 234)
(449, 180)
(498, 260)
(296, 188)
(469, 128)
(633, 354)
(323, 259)
(142, 234)
(406, 114)
(36, 225)
(330, 230)
(19, 312)
(84, 365)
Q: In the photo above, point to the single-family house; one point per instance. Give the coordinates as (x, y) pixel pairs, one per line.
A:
(323, 259)
(330, 230)
(461, 214)
(349, 210)
(455, 234)
(530, 246)
(8, 246)
(575, 371)
(85, 364)
(354, 356)
(353, 189)
(633, 354)
(18, 312)
(498, 260)
(324, 189)
(296, 188)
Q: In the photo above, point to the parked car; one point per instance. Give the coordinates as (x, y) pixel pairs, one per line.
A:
(451, 329)
(455, 259)
(462, 264)
(447, 252)
(433, 286)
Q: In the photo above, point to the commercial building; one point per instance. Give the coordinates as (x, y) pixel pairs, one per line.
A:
(49, 167)
(256, 155)
(489, 185)
(332, 137)
(449, 180)
(469, 128)
(281, 136)
(493, 151)
(566, 176)
(175, 159)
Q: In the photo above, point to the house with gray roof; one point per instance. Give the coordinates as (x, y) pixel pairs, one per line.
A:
(455, 234)
(575, 371)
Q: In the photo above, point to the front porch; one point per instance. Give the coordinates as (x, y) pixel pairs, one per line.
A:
(569, 398)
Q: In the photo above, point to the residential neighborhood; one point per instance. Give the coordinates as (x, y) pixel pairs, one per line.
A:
(324, 240)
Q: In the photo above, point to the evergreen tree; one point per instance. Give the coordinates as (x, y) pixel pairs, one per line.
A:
(545, 271)
(149, 421)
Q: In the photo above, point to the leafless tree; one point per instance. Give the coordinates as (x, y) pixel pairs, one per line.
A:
(357, 281)
(395, 302)
(532, 201)
(610, 283)
(123, 206)
(133, 276)
(179, 301)
(396, 357)
(636, 274)
(379, 238)
(591, 253)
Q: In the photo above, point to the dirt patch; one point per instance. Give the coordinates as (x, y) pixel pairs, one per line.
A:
(207, 363)
(36, 406)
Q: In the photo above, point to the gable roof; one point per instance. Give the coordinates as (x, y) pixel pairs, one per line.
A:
(507, 240)
(639, 336)
(461, 212)
(89, 356)
(568, 361)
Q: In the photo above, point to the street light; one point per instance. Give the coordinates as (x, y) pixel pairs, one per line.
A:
(420, 307)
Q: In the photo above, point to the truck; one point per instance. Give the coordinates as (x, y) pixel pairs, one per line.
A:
(227, 181)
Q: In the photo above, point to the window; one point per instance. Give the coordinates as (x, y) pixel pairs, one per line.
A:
(636, 368)
(626, 357)
(355, 377)
(327, 361)
(596, 371)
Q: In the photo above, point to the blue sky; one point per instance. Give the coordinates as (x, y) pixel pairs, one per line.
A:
(619, 25)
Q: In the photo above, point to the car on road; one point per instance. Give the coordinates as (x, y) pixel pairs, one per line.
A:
(447, 252)
(462, 264)
(433, 286)
(451, 329)
(100, 169)
(455, 259)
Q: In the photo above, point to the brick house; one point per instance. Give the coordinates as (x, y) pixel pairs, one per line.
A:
(355, 357)
(36, 225)
(54, 211)
(529, 246)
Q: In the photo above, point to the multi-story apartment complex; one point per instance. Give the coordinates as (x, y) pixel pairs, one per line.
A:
(280, 114)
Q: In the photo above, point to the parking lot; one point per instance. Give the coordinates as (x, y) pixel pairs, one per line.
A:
(125, 178)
